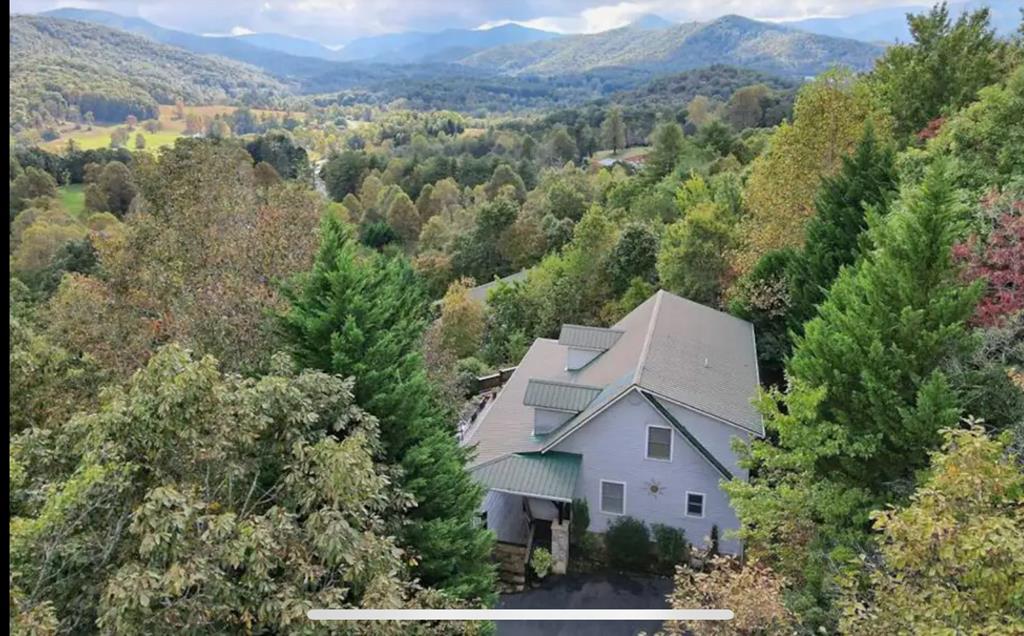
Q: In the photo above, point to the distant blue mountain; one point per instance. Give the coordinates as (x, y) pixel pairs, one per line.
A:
(889, 25)
(443, 46)
(288, 44)
(651, 21)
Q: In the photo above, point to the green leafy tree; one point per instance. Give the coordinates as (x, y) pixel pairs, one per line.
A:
(505, 180)
(692, 260)
(462, 320)
(561, 147)
(986, 139)
(364, 314)
(403, 217)
(613, 130)
(344, 172)
(206, 503)
(634, 256)
(31, 183)
(779, 194)
(952, 558)
(942, 70)
(667, 141)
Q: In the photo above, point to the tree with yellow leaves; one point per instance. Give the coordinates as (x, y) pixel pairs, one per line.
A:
(828, 119)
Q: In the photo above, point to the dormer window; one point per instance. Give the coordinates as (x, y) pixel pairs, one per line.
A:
(585, 344)
(555, 403)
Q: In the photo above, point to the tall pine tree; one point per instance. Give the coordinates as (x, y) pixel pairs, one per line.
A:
(866, 181)
(360, 313)
(865, 402)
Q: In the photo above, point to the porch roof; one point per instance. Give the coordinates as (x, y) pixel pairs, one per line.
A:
(548, 476)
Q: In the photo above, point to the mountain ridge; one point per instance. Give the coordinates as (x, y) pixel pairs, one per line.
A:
(732, 40)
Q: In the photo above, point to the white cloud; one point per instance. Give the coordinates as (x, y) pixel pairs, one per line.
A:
(592, 20)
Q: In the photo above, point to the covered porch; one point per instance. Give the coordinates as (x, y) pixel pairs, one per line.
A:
(529, 505)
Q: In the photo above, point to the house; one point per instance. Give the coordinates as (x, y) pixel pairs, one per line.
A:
(479, 293)
(637, 419)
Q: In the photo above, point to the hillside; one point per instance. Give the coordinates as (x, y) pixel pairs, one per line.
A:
(239, 49)
(730, 40)
(58, 65)
(715, 82)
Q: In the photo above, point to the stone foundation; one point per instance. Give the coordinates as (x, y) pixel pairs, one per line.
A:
(559, 546)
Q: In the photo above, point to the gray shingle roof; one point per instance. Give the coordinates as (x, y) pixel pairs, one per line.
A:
(661, 348)
(549, 476)
(480, 291)
(562, 396)
(580, 337)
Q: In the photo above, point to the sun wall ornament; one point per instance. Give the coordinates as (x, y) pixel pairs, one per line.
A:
(654, 488)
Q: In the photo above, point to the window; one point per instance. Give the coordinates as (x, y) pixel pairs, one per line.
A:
(613, 497)
(694, 504)
(659, 443)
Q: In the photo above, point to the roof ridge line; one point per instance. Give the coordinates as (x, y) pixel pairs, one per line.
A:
(568, 324)
(564, 383)
(648, 336)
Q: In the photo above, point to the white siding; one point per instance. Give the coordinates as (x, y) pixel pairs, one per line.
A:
(547, 420)
(614, 445)
(505, 516)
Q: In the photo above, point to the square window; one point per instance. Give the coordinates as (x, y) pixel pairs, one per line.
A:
(613, 497)
(659, 443)
(694, 504)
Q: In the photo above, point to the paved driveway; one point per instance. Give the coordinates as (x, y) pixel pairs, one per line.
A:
(587, 591)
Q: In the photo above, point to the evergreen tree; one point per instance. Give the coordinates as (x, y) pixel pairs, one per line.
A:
(880, 335)
(867, 180)
(363, 314)
(865, 402)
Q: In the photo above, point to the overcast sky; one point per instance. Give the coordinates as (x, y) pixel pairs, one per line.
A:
(337, 21)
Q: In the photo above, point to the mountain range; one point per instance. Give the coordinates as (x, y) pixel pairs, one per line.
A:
(731, 40)
(650, 44)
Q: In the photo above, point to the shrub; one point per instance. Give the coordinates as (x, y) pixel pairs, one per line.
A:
(753, 592)
(541, 562)
(629, 543)
(580, 521)
(670, 546)
(713, 551)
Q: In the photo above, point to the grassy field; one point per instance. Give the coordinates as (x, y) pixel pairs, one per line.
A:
(633, 151)
(73, 198)
(172, 128)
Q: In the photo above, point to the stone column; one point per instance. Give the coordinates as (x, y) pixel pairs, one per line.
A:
(559, 546)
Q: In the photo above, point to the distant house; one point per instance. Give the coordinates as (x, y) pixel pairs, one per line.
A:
(637, 419)
(480, 291)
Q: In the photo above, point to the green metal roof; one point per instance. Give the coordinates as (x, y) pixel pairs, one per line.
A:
(596, 338)
(548, 476)
(563, 396)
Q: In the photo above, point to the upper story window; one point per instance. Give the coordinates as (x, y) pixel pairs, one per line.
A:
(694, 504)
(613, 497)
(659, 443)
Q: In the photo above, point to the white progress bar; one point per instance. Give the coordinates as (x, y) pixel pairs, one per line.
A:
(519, 615)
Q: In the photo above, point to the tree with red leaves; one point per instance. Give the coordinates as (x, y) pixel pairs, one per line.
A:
(997, 259)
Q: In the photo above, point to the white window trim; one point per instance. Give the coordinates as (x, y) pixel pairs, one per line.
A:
(600, 497)
(703, 504)
(647, 443)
